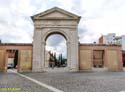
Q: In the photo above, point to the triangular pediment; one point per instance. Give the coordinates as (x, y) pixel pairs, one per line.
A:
(55, 13)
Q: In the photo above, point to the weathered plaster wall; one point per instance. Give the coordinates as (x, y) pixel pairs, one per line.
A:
(85, 60)
(25, 61)
(24, 56)
(112, 56)
(2, 59)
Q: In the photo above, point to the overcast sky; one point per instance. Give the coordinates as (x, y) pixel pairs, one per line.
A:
(57, 44)
(98, 17)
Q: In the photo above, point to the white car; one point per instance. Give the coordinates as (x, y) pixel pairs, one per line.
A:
(10, 65)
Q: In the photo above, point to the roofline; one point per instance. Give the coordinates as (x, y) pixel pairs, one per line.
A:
(55, 8)
(16, 44)
(83, 44)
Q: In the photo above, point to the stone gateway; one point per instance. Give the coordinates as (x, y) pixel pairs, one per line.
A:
(31, 57)
(50, 22)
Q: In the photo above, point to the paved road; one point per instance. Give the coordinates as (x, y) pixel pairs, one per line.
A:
(67, 82)
(9, 81)
(83, 82)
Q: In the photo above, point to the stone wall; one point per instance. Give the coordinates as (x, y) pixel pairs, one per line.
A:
(24, 56)
(25, 61)
(2, 59)
(85, 60)
(112, 56)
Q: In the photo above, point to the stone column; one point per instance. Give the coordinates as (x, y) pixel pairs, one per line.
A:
(74, 51)
(43, 56)
(68, 55)
(37, 52)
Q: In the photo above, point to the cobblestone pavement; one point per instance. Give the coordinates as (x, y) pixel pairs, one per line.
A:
(11, 82)
(66, 81)
(83, 81)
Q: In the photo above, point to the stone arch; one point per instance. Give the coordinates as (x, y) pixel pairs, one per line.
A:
(53, 21)
(55, 31)
(62, 33)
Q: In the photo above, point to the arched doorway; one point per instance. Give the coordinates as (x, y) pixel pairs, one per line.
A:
(65, 36)
(55, 53)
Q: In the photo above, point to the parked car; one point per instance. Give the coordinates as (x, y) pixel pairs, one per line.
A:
(10, 65)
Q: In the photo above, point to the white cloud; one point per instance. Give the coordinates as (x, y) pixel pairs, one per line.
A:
(15, 26)
(102, 17)
(61, 49)
(98, 17)
(56, 43)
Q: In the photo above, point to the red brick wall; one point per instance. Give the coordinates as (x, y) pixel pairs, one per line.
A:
(11, 55)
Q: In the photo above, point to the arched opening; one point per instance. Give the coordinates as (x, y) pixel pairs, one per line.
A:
(55, 52)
